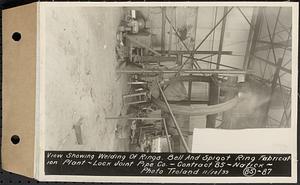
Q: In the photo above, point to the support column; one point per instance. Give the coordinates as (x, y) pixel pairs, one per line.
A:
(212, 100)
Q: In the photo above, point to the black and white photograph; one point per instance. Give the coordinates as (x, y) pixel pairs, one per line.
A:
(142, 79)
(158, 92)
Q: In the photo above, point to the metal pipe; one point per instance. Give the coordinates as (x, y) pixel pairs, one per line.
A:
(172, 52)
(167, 134)
(163, 28)
(136, 83)
(213, 36)
(173, 117)
(133, 118)
(188, 71)
(221, 38)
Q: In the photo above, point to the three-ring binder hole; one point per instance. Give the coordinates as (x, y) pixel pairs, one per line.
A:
(16, 36)
(15, 139)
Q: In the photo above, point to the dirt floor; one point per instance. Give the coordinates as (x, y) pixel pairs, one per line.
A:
(82, 87)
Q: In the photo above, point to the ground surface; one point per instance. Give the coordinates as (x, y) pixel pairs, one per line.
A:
(82, 87)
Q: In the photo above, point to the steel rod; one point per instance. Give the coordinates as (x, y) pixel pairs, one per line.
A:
(133, 118)
(251, 26)
(176, 33)
(174, 119)
(221, 37)
(167, 135)
(280, 85)
(203, 40)
(273, 86)
(188, 71)
(213, 36)
(221, 20)
(223, 65)
(276, 74)
(202, 52)
(271, 37)
(268, 81)
(272, 64)
(255, 36)
(163, 29)
(284, 115)
(250, 34)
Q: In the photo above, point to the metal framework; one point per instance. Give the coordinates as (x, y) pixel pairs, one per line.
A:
(277, 67)
(271, 65)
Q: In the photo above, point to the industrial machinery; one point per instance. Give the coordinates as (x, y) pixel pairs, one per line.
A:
(133, 22)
